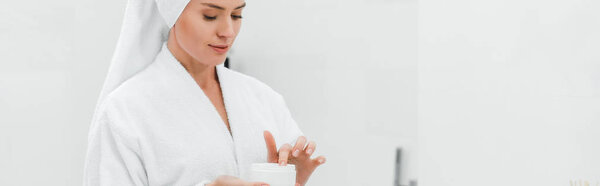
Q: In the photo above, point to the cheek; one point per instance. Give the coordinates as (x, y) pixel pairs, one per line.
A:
(236, 28)
(194, 37)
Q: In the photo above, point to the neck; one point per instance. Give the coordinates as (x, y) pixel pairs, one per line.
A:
(205, 75)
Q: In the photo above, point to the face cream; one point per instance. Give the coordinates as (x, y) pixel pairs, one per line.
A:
(273, 174)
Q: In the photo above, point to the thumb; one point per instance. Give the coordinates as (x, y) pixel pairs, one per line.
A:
(272, 155)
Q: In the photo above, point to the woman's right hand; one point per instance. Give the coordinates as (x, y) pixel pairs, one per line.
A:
(233, 181)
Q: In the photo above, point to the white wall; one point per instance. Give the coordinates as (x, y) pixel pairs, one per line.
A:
(53, 59)
(509, 92)
(347, 69)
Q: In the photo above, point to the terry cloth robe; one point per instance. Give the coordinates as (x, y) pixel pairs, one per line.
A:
(159, 128)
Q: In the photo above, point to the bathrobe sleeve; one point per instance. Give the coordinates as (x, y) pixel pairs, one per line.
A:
(113, 156)
(287, 125)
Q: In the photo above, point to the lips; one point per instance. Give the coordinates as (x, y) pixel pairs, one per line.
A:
(220, 49)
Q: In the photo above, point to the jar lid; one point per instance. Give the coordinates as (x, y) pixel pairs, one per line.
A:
(273, 167)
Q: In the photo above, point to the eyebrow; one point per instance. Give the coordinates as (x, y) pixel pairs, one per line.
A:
(221, 8)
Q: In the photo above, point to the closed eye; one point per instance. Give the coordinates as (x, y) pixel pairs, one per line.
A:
(210, 18)
(236, 16)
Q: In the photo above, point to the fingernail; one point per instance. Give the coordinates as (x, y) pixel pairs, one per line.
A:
(309, 151)
(296, 153)
(322, 161)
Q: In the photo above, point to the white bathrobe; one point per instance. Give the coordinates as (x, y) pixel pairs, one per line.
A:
(159, 128)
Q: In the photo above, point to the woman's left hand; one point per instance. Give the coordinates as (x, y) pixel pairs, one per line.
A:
(299, 155)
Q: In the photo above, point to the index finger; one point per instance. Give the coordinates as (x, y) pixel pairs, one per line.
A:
(300, 142)
(271, 147)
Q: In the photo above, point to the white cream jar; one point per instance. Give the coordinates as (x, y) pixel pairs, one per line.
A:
(273, 174)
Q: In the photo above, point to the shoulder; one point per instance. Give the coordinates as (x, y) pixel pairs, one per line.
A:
(132, 98)
(122, 107)
(139, 88)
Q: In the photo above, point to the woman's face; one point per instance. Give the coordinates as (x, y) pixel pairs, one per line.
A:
(206, 29)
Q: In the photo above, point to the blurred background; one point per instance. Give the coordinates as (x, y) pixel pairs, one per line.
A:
(473, 92)
(509, 92)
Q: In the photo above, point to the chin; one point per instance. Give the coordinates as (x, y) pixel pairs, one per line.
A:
(211, 59)
(220, 60)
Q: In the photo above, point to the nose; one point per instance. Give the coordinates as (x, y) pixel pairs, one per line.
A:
(225, 30)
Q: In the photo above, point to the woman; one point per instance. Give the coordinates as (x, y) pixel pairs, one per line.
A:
(169, 114)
